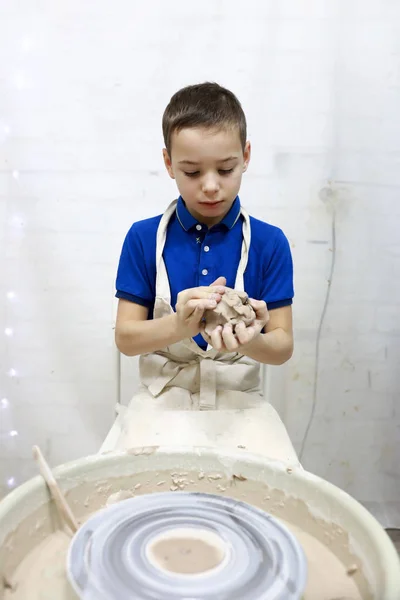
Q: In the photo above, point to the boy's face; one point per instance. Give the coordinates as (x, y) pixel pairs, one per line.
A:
(208, 166)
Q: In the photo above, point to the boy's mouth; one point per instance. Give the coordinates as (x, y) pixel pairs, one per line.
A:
(211, 203)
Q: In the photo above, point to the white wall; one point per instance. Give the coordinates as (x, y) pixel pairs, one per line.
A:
(82, 90)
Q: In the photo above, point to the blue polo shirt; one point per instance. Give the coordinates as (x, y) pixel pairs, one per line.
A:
(196, 255)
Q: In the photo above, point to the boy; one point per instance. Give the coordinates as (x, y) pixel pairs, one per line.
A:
(176, 266)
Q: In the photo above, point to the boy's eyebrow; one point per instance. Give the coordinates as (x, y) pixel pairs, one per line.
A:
(191, 162)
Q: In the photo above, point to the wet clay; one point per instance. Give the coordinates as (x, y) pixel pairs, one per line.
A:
(232, 309)
(42, 576)
(187, 551)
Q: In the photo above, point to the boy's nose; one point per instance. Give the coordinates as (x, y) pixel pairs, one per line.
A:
(210, 185)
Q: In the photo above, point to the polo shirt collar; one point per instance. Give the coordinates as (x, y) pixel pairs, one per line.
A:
(187, 220)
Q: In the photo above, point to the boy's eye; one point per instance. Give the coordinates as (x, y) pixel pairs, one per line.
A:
(196, 173)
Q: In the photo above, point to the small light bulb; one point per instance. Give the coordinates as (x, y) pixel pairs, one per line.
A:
(8, 331)
(12, 373)
(4, 403)
(13, 433)
(11, 295)
(17, 221)
(15, 174)
(7, 129)
(11, 482)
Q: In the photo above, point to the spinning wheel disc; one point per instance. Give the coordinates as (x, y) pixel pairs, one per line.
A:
(180, 545)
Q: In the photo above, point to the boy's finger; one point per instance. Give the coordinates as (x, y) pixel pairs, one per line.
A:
(198, 312)
(244, 335)
(198, 305)
(240, 332)
(216, 339)
(217, 289)
(229, 338)
(258, 305)
(202, 293)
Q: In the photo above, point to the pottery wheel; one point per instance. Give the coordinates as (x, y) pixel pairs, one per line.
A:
(179, 545)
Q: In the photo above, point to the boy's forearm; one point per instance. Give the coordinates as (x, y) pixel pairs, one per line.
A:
(140, 337)
(272, 348)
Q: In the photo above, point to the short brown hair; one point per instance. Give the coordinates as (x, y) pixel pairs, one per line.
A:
(203, 105)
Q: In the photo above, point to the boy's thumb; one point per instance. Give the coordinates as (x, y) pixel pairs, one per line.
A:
(220, 281)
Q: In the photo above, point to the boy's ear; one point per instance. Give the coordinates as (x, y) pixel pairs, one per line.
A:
(168, 164)
(246, 155)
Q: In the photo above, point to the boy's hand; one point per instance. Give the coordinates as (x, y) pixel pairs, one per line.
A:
(192, 303)
(224, 339)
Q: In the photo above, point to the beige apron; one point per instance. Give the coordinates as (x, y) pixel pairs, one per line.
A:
(190, 396)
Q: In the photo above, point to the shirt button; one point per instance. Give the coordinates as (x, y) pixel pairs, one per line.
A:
(198, 227)
(204, 272)
(206, 248)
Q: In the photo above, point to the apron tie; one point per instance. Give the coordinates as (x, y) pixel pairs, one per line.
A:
(169, 371)
(208, 384)
(207, 378)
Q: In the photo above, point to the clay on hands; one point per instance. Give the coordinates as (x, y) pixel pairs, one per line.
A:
(232, 309)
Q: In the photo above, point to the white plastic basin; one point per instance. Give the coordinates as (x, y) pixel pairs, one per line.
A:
(27, 516)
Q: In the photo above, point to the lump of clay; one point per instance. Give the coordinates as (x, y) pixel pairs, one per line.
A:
(118, 497)
(233, 309)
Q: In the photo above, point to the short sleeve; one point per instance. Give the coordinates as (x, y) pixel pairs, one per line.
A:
(132, 279)
(277, 286)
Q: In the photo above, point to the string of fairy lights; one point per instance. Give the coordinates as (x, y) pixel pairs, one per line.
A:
(8, 433)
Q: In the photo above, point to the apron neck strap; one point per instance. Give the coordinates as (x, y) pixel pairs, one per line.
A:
(163, 289)
(244, 256)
